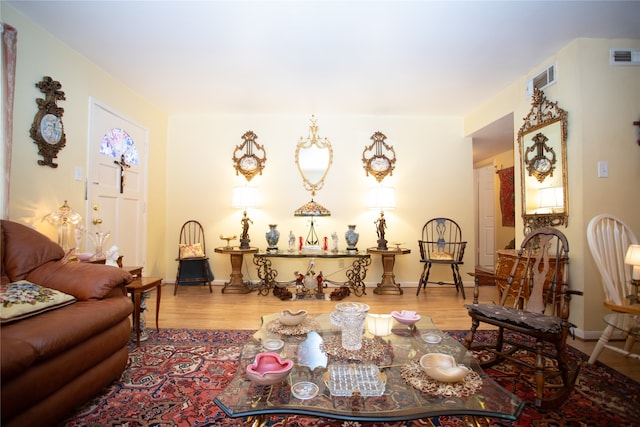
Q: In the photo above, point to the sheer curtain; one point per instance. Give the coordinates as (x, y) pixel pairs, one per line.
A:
(9, 41)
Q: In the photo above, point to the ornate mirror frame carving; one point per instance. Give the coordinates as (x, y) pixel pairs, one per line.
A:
(249, 157)
(47, 130)
(314, 156)
(543, 164)
(379, 158)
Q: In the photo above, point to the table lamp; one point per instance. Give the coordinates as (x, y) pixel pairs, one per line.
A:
(550, 200)
(633, 258)
(243, 198)
(312, 209)
(64, 217)
(383, 198)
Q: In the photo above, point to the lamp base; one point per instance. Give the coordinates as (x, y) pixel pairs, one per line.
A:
(244, 243)
(382, 244)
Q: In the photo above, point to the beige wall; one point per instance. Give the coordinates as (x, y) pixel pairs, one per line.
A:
(433, 177)
(602, 102)
(37, 190)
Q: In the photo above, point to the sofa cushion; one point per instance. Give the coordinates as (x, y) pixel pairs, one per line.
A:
(53, 332)
(23, 299)
(83, 280)
(24, 249)
(16, 356)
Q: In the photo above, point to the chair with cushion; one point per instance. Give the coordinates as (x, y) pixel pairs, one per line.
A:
(441, 244)
(532, 318)
(609, 238)
(193, 262)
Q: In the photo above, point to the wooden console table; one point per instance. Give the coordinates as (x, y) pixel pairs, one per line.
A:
(388, 286)
(355, 275)
(236, 285)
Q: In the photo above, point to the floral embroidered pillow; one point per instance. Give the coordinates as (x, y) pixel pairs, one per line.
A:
(191, 250)
(22, 299)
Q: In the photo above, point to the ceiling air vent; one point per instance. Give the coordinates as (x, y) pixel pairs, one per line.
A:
(625, 56)
(546, 78)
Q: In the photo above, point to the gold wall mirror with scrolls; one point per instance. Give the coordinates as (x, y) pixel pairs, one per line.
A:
(379, 158)
(314, 156)
(543, 165)
(249, 157)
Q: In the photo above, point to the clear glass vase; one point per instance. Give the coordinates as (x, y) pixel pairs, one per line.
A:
(350, 317)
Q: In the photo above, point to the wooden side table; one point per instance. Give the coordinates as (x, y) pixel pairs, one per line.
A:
(388, 286)
(136, 288)
(236, 285)
(134, 270)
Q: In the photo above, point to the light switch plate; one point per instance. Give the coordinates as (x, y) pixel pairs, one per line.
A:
(603, 169)
(77, 173)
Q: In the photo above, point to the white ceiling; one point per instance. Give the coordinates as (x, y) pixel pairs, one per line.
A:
(325, 57)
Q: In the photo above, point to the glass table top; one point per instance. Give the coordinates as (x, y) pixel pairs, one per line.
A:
(629, 323)
(310, 388)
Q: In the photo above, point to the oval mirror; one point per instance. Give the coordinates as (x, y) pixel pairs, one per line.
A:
(314, 156)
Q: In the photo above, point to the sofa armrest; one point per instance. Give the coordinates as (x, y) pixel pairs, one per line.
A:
(85, 281)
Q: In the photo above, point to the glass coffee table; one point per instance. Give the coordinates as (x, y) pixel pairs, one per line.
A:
(628, 324)
(381, 382)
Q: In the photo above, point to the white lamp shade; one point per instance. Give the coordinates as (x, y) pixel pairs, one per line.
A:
(383, 198)
(633, 258)
(551, 197)
(245, 197)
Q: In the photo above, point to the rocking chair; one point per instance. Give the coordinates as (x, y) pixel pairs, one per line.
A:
(532, 317)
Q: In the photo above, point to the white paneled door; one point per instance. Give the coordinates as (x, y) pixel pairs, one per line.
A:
(485, 185)
(116, 182)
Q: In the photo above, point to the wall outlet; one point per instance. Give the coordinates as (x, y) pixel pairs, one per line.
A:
(603, 169)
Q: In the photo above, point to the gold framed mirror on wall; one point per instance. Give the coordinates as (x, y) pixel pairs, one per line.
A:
(543, 165)
(314, 156)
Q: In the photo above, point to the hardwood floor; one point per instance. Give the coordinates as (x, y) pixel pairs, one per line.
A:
(195, 308)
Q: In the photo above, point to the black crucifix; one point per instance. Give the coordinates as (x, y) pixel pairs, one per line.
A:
(123, 165)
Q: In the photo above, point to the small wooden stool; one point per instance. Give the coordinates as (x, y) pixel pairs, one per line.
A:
(136, 288)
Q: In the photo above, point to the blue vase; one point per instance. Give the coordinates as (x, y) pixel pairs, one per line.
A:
(272, 237)
(351, 236)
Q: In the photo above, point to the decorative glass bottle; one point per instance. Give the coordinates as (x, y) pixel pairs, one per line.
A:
(351, 236)
(272, 237)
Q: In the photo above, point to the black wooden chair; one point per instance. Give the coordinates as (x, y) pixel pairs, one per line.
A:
(193, 262)
(441, 244)
(532, 317)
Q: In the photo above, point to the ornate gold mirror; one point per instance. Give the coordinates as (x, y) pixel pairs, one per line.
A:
(314, 156)
(249, 157)
(543, 164)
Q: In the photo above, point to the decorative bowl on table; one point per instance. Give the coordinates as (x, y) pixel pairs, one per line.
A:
(273, 344)
(406, 317)
(443, 367)
(292, 318)
(269, 368)
(84, 256)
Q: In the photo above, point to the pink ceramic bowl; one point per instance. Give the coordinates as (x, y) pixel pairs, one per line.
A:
(269, 368)
(406, 317)
(84, 256)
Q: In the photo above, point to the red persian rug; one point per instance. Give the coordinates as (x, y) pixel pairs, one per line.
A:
(172, 379)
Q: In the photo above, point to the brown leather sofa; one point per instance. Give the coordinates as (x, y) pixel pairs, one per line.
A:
(54, 361)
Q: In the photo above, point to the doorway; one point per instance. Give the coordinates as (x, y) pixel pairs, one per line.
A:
(485, 216)
(116, 182)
